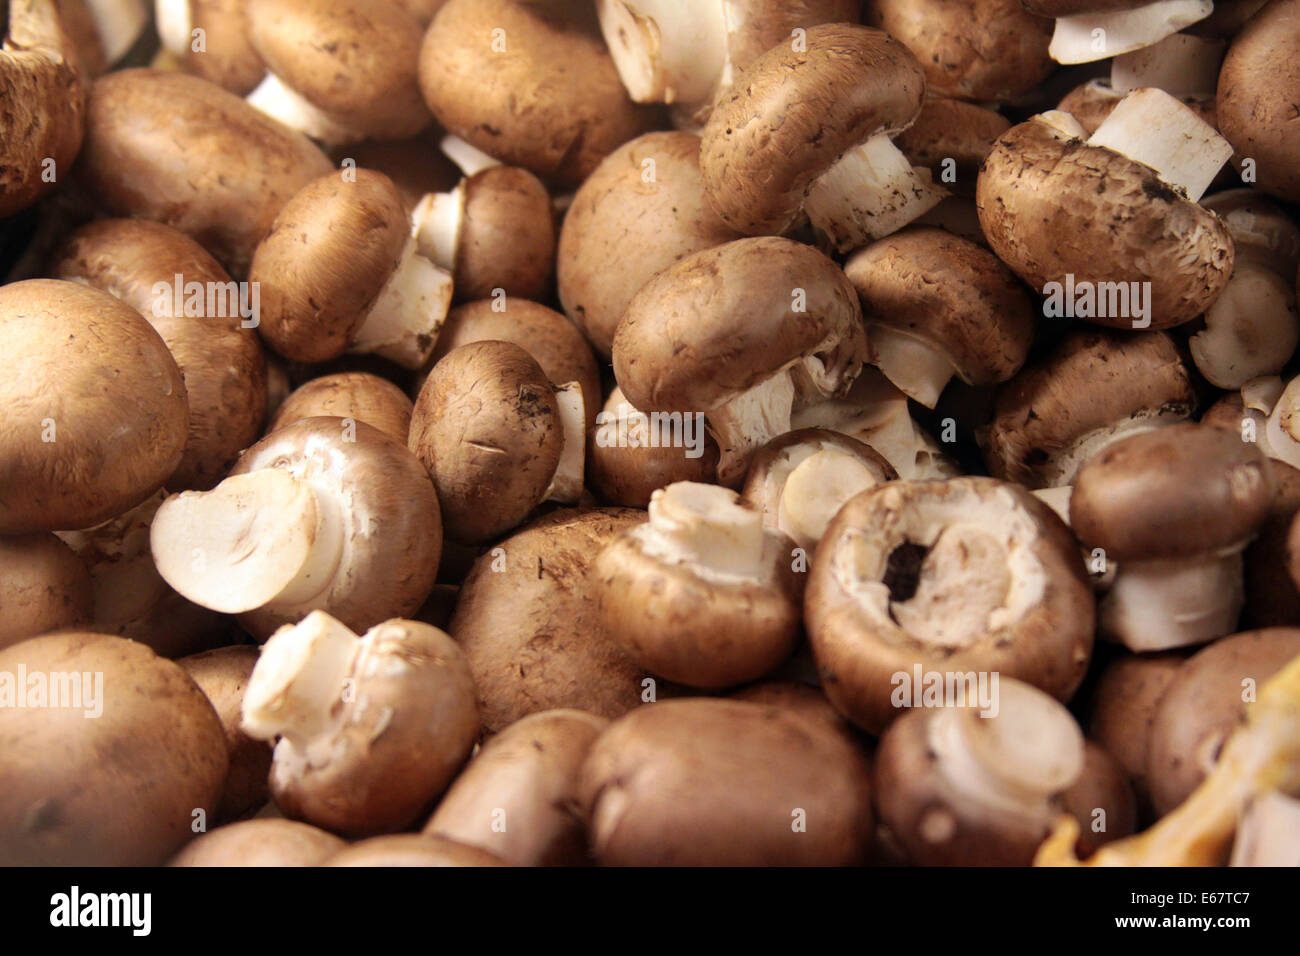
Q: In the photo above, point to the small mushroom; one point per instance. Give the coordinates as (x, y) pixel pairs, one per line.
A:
(320, 515)
(227, 56)
(44, 587)
(411, 849)
(261, 843)
(702, 594)
(1174, 508)
(741, 332)
(371, 729)
(1088, 30)
(359, 396)
(952, 139)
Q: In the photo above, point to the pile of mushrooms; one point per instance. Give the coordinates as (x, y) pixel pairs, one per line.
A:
(637, 432)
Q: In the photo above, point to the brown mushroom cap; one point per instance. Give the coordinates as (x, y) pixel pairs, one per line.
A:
(412, 849)
(356, 395)
(487, 427)
(507, 240)
(44, 587)
(1012, 560)
(794, 112)
(1258, 86)
(705, 782)
(723, 320)
(1070, 8)
(643, 208)
(1173, 492)
(229, 58)
(352, 59)
(807, 701)
(329, 253)
(1053, 206)
(531, 84)
(1204, 703)
(1101, 800)
(180, 150)
(1090, 103)
(977, 314)
(416, 166)
(272, 842)
(95, 407)
(527, 622)
(947, 129)
(970, 49)
(58, 804)
(221, 360)
(1272, 597)
(1091, 382)
(1263, 233)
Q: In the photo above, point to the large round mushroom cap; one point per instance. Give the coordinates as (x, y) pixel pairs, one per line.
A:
(95, 410)
(1173, 492)
(794, 112)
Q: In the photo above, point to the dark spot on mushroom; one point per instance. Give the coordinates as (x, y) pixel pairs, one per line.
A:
(1035, 458)
(1153, 188)
(903, 570)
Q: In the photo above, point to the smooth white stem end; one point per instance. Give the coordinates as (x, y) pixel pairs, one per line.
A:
(404, 323)
(436, 225)
(1181, 65)
(174, 25)
(470, 159)
(1088, 37)
(706, 526)
(1160, 605)
(567, 483)
(278, 101)
(919, 369)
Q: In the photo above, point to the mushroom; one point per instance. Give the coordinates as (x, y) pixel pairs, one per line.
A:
(260, 843)
(1101, 799)
(416, 166)
(41, 128)
(704, 782)
(1094, 388)
(44, 587)
(497, 437)
(631, 454)
(952, 139)
(320, 515)
(1174, 508)
(494, 231)
(804, 699)
(1258, 85)
(702, 594)
(180, 150)
(1206, 700)
(483, 60)
(527, 622)
(96, 412)
(226, 56)
(807, 128)
(205, 319)
(518, 797)
(339, 272)
(741, 332)
(359, 396)
(1109, 229)
(223, 674)
(410, 849)
(1271, 597)
(937, 305)
(339, 70)
(971, 49)
(644, 208)
(1088, 30)
(68, 700)
(371, 729)
(962, 577)
(959, 788)
(1269, 832)
(799, 481)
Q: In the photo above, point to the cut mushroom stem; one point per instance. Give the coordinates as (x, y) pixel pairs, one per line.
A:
(566, 485)
(274, 98)
(919, 369)
(1181, 65)
(1150, 126)
(469, 158)
(174, 21)
(750, 421)
(259, 539)
(436, 225)
(871, 192)
(298, 680)
(816, 489)
(118, 24)
(706, 527)
(1095, 36)
(1251, 330)
(1160, 605)
(666, 51)
(404, 322)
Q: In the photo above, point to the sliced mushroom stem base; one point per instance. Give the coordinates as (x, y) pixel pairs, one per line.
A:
(920, 370)
(175, 22)
(256, 540)
(1251, 330)
(118, 24)
(816, 489)
(299, 678)
(748, 422)
(436, 225)
(279, 102)
(871, 192)
(1181, 65)
(1150, 126)
(1095, 36)
(469, 158)
(567, 484)
(404, 322)
(666, 51)
(1160, 605)
(707, 527)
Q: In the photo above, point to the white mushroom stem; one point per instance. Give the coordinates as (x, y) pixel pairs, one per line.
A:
(1269, 833)
(919, 369)
(436, 224)
(404, 322)
(1181, 65)
(870, 192)
(750, 421)
(1011, 763)
(666, 51)
(1251, 330)
(1159, 605)
(277, 100)
(469, 158)
(175, 23)
(299, 679)
(567, 483)
(1096, 36)
(816, 489)
(256, 540)
(118, 24)
(1058, 499)
(1150, 126)
(707, 527)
